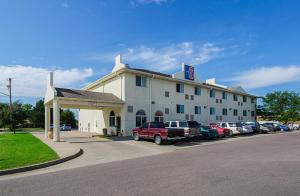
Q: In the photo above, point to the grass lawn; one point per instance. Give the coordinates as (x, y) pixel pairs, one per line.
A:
(29, 129)
(22, 149)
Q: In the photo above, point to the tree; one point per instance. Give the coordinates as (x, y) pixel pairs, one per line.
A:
(38, 114)
(4, 115)
(68, 117)
(283, 105)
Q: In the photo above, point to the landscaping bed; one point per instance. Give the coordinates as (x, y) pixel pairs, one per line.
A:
(23, 149)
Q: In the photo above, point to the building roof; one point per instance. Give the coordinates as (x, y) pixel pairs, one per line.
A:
(151, 72)
(88, 95)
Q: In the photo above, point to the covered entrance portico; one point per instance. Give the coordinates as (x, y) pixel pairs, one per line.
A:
(58, 98)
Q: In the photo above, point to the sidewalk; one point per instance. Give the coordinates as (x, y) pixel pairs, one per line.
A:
(63, 148)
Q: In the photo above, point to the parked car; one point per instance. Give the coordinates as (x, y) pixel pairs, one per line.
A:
(234, 128)
(65, 127)
(245, 128)
(294, 126)
(264, 128)
(222, 132)
(191, 128)
(158, 132)
(254, 125)
(273, 125)
(283, 127)
(208, 132)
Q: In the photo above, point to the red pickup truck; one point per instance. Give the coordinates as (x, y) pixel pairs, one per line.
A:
(157, 132)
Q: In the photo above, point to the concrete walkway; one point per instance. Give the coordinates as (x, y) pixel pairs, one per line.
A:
(63, 149)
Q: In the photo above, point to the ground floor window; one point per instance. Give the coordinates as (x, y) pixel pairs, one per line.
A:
(159, 116)
(140, 118)
(112, 119)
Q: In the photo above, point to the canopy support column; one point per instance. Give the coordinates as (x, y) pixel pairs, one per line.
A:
(56, 121)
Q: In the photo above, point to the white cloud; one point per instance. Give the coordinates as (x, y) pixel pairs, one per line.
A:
(30, 81)
(267, 76)
(168, 57)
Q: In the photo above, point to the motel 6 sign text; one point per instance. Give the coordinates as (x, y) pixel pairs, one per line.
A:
(189, 72)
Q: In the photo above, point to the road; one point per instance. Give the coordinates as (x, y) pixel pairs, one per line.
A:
(256, 166)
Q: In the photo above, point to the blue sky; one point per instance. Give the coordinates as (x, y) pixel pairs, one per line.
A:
(252, 43)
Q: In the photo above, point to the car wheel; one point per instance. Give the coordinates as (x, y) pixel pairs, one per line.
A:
(136, 137)
(158, 140)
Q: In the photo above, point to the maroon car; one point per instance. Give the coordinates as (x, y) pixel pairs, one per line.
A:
(157, 132)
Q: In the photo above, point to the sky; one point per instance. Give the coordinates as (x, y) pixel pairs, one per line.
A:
(253, 43)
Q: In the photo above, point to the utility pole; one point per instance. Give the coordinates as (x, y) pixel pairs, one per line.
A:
(10, 104)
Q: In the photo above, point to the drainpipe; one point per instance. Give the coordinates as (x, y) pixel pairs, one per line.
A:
(150, 97)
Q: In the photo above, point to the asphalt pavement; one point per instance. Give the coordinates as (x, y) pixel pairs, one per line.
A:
(256, 166)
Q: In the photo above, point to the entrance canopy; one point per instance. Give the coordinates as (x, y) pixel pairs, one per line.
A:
(57, 98)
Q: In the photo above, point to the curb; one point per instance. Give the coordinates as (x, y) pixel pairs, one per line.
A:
(41, 165)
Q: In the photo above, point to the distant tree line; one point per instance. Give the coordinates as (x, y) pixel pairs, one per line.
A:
(27, 115)
(283, 106)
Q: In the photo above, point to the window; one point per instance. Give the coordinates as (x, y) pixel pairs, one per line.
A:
(244, 98)
(173, 124)
(224, 95)
(192, 97)
(179, 88)
(157, 125)
(224, 125)
(112, 119)
(141, 81)
(197, 91)
(180, 109)
(183, 124)
(217, 100)
(130, 109)
(239, 103)
(252, 113)
(212, 111)
(224, 111)
(235, 97)
(220, 100)
(212, 93)
(140, 118)
(186, 96)
(244, 112)
(167, 94)
(167, 111)
(252, 100)
(197, 109)
(235, 112)
(159, 116)
(192, 117)
(217, 117)
(186, 117)
(220, 117)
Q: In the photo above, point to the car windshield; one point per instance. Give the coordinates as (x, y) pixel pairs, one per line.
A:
(232, 124)
(193, 124)
(250, 123)
(157, 125)
(239, 124)
(205, 128)
(183, 124)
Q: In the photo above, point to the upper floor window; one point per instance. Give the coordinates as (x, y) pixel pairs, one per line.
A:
(212, 93)
(235, 97)
(244, 98)
(224, 95)
(224, 111)
(252, 100)
(167, 94)
(244, 112)
(197, 90)
(180, 109)
(252, 113)
(212, 111)
(197, 109)
(141, 81)
(235, 112)
(179, 88)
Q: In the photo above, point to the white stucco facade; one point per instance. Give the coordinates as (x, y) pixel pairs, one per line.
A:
(151, 98)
